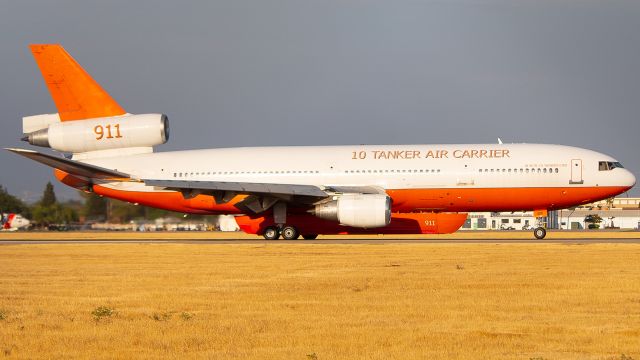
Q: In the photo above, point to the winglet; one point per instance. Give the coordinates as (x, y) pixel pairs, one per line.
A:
(76, 95)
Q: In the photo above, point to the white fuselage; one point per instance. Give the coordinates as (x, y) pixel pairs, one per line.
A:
(387, 166)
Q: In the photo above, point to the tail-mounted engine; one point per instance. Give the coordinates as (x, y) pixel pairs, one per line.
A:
(81, 136)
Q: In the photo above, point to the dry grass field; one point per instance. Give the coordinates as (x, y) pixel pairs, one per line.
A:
(320, 301)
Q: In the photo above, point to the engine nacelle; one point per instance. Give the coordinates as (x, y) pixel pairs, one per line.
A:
(116, 132)
(357, 210)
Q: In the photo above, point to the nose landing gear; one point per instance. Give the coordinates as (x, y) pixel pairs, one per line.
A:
(541, 223)
(539, 233)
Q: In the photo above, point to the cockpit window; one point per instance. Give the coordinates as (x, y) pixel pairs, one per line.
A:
(609, 165)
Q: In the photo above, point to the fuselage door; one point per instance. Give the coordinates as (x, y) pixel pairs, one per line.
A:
(576, 172)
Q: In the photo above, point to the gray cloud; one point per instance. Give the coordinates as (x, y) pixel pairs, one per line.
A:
(290, 72)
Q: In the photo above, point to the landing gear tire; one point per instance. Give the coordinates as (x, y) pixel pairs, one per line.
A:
(540, 233)
(271, 233)
(309, 236)
(290, 233)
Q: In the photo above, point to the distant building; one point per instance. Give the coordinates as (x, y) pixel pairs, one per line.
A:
(617, 213)
(611, 219)
(518, 220)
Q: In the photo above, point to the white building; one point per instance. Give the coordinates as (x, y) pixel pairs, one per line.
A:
(621, 213)
(518, 220)
(611, 219)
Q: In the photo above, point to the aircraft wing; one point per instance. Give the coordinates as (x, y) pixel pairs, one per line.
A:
(261, 196)
(70, 166)
(251, 188)
(242, 187)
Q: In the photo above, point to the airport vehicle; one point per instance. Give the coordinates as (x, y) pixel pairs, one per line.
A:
(13, 222)
(306, 190)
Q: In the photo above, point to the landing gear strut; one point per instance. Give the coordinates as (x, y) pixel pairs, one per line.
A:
(273, 232)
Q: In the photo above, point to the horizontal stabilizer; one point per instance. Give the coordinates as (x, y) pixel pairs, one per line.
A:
(71, 166)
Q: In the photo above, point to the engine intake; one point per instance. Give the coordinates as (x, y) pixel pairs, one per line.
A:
(357, 210)
(116, 132)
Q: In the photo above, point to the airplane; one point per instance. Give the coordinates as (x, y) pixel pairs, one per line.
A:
(13, 222)
(293, 191)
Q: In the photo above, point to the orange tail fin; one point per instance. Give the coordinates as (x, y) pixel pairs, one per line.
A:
(76, 95)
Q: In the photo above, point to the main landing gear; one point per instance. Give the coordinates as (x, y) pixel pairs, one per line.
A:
(287, 232)
(271, 233)
(290, 233)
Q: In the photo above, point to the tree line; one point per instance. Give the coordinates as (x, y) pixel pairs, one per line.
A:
(48, 210)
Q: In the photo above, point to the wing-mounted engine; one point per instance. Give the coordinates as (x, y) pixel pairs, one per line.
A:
(117, 132)
(357, 210)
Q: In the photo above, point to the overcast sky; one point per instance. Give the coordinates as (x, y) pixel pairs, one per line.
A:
(296, 72)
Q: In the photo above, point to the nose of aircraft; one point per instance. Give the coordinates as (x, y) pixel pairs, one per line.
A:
(628, 179)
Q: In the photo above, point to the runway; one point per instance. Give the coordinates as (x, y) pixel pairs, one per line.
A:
(349, 241)
(231, 238)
